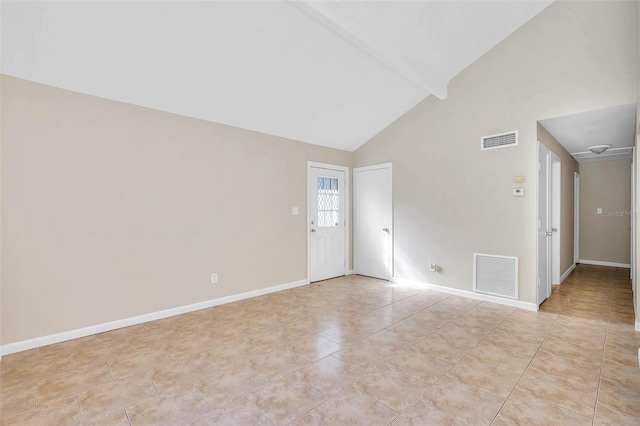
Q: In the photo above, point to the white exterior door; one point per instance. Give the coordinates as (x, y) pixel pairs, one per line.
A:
(326, 223)
(373, 221)
(544, 231)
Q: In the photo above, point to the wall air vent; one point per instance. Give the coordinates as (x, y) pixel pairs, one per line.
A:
(501, 140)
(496, 275)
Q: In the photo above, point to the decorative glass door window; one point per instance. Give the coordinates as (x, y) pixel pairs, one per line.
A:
(328, 202)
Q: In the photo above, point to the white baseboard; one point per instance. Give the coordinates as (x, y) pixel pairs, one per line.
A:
(567, 272)
(470, 294)
(599, 263)
(37, 342)
(637, 327)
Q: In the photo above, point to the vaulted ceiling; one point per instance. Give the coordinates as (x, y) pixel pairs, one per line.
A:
(331, 73)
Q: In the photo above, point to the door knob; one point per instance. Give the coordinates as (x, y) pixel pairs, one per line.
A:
(554, 229)
(628, 228)
(385, 229)
(313, 230)
(548, 233)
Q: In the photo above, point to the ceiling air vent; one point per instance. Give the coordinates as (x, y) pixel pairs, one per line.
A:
(501, 140)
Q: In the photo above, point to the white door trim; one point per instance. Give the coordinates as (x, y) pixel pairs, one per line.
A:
(347, 211)
(576, 217)
(391, 227)
(548, 271)
(556, 218)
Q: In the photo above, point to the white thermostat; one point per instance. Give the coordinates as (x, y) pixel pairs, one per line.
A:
(518, 192)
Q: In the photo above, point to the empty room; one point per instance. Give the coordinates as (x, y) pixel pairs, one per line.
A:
(319, 212)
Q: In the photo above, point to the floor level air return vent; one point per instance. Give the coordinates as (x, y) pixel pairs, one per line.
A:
(496, 275)
(501, 140)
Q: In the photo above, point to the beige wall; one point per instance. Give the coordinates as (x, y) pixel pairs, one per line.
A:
(451, 199)
(567, 169)
(112, 210)
(605, 237)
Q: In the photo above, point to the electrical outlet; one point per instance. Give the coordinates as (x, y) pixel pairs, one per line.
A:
(214, 278)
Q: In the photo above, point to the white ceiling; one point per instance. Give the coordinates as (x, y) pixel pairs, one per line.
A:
(577, 132)
(330, 73)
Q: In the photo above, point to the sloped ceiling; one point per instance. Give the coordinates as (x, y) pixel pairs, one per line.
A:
(330, 73)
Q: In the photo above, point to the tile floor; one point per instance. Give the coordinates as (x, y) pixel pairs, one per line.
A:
(351, 350)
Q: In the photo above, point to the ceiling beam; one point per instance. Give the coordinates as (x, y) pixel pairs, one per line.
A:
(339, 17)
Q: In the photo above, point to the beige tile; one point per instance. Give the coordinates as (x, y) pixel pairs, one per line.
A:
(16, 399)
(442, 347)
(498, 355)
(580, 353)
(389, 339)
(488, 378)
(514, 342)
(364, 355)
(344, 334)
(309, 325)
(578, 335)
(567, 368)
(191, 345)
(113, 398)
(286, 400)
(419, 365)
(229, 387)
(384, 336)
(240, 412)
(394, 389)
(624, 375)
(266, 342)
(169, 410)
(352, 407)
(231, 357)
(168, 376)
(421, 413)
(462, 402)
(314, 347)
(63, 412)
(329, 375)
(525, 409)
(117, 418)
(573, 395)
(306, 420)
(71, 383)
(461, 334)
(277, 363)
(412, 327)
(606, 415)
(34, 368)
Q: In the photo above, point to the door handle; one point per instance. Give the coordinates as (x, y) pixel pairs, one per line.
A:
(313, 230)
(554, 229)
(548, 233)
(385, 229)
(628, 228)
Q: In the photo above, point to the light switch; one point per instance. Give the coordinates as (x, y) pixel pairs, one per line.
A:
(599, 210)
(295, 211)
(518, 192)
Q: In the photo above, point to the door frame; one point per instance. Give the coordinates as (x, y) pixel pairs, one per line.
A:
(576, 217)
(548, 272)
(389, 166)
(347, 211)
(556, 217)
